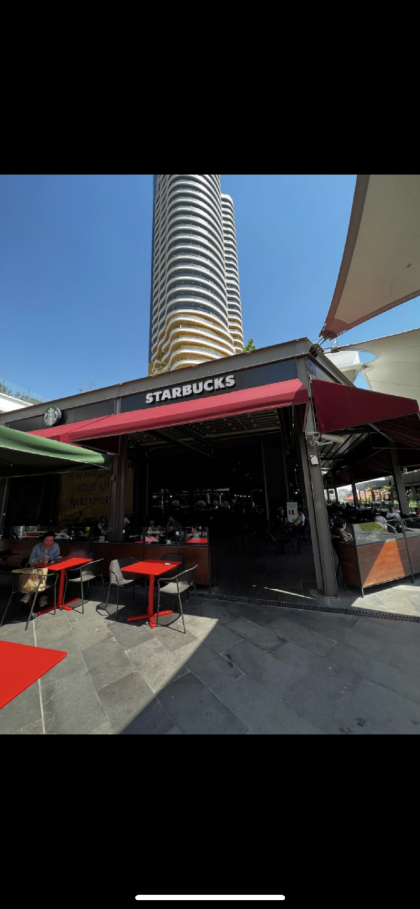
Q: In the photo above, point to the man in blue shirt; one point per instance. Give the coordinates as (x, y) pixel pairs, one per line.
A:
(46, 550)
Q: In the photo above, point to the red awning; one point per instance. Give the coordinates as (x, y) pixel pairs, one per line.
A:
(61, 433)
(250, 400)
(339, 407)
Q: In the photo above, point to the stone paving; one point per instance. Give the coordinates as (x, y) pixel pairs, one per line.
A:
(242, 668)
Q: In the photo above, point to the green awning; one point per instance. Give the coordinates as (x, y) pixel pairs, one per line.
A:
(25, 455)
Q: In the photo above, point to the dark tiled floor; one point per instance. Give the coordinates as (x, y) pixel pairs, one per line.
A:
(252, 571)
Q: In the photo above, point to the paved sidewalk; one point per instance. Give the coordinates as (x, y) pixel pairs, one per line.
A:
(240, 669)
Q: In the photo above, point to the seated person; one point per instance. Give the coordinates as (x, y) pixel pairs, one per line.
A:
(102, 524)
(62, 534)
(392, 513)
(173, 529)
(338, 532)
(281, 516)
(300, 520)
(194, 535)
(414, 521)
(151, 530)
(45, 551)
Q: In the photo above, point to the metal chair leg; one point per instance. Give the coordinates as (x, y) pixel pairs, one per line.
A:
(118, 598)
(31, 610)
(7, 606)
(55, 597)
(181, 611)
(158, 605)
(83, 597)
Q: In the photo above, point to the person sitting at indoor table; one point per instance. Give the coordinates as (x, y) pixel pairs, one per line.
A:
(338, 532)
(281, 516)
(414, 521)
(392, 513)
(45, 551)
(62, 534)
(300, 520)
(102, 524)
(194, 535)
(152, 529)
(173, 528)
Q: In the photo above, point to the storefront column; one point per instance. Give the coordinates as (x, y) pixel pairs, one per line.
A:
(353, 486)
(267, 502)
(4, 496)
(117, 490)
(398, 481)
(336, 494)
(318, 516)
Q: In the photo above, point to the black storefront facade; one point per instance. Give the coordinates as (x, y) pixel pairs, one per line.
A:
(203, 443)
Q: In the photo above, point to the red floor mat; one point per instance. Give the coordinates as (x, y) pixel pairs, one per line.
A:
(21, 665)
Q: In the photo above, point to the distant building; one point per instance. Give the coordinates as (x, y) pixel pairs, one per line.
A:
(14, 397)
(195, 312)
(8, 403)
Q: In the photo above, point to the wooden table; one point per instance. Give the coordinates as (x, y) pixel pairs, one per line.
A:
(151, 569)
(62, 567)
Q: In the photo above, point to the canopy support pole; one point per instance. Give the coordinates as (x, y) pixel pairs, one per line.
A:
(353, 486)
(4, 497)
(317, 513)
(267, 501)
(117, 490)
(398, 480)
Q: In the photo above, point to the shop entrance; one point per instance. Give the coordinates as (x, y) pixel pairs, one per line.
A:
(230, 478)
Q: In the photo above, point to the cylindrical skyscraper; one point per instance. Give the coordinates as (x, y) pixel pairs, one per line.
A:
(194, 300)
(232, 274)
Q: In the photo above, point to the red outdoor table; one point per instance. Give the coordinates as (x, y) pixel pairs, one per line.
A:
(8, 556)
(62, 567)
(151, 569)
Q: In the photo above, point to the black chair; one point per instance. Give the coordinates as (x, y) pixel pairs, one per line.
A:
(337, 553)
(179, 584)
(84, 575)
(270, 538)
(137, 580)
(173, 556)
(303, 535)
(285, 541)
(46, 582)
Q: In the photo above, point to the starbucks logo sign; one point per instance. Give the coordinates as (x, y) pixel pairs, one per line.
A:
(52, 416)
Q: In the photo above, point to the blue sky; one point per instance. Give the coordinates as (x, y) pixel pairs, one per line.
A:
(75, 256)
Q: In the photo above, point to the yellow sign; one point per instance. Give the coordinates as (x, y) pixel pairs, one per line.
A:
(85, 494)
